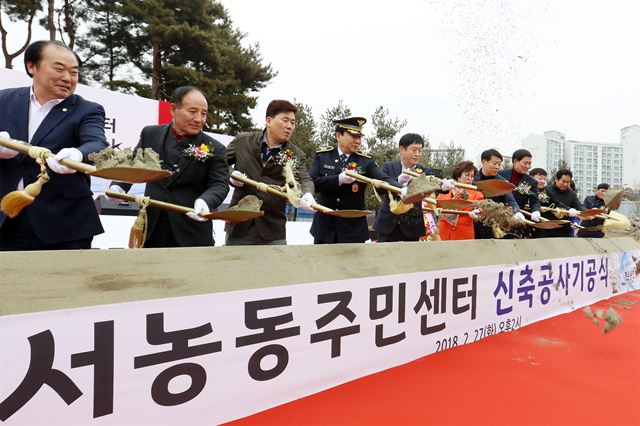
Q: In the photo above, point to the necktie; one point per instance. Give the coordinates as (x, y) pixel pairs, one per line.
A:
(343, 160)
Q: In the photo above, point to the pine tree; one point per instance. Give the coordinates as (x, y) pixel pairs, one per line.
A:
(17, 10)
(327, 129)
(151, 47)
(103, 45)
(305, 135)
(383, 143)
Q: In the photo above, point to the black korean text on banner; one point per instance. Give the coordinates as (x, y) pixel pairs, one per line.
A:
(41, 372)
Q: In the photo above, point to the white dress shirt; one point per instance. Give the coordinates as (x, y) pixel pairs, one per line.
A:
(37, 112)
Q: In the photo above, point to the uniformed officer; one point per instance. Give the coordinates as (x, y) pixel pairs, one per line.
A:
(339, 191)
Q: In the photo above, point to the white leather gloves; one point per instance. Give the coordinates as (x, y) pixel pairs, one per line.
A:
(474, 214)
(447, 185)
(306, 201)
(573, 212)
(404, 179)
(6, 153)
(199, 206)
(519, 217)
(403, 194)
(535, 216)
(237, 183)
(70, 153)
(343, 179)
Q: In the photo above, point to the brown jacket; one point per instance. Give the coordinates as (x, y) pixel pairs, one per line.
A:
(244, 152)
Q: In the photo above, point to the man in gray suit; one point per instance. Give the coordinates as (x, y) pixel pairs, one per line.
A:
(200, 177)
(260, 156)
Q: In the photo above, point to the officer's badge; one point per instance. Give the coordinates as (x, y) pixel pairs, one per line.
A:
(354, 187)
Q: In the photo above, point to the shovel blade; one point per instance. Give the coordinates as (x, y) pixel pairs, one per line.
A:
(234, 216)
(455, 204)
(494, 187)
(348, 214)
(131, 174)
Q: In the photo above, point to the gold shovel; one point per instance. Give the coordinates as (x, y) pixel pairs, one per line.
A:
(591, 213)
(13, 203)
(551, 224)
(121, 174)
(262, 187)
(232, 216)
(413, 195)
(613, 198)
(456, 204)
(490, 187)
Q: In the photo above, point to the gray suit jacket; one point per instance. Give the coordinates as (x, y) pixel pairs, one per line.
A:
(244, 153)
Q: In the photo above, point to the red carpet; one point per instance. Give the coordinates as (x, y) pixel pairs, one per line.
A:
(563, 370)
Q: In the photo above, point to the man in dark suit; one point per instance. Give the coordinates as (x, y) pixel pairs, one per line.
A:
(409, 226)
(540, 176)
(261, 156)
(200, 177)
(491, 161)
(593, 228)
(48, 114)
(562, 196)
(526, 187)
(339, 191)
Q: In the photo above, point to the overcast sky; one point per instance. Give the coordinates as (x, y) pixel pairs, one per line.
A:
(483, 73)
(480, 73)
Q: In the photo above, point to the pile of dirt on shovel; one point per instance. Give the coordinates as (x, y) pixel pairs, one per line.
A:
(112, 158)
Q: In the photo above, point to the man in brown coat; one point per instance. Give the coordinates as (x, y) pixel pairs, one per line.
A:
(260, 156)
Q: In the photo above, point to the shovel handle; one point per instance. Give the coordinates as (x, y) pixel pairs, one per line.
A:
(384, 185)
(458, 184)
(368, 180)
(448, 211)
(153, 203)
(255, 184)
(23, 148)
(528, 214)
(273, 191)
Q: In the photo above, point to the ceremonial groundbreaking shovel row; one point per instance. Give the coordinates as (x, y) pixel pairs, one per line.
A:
(463, 204)
(490, 187)
(418, 189)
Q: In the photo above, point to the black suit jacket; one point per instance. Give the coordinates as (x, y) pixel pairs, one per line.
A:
(324, 172)
(244, 152)
(193, 179)
(411, 223)
(526, 192)
(64, 211)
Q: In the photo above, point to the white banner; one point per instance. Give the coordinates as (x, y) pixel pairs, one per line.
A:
(217, 357)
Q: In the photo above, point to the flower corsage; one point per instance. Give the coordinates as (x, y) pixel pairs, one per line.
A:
(285, 156)
(523, 188)
(354, 167)
(200, 153)
(543, 197)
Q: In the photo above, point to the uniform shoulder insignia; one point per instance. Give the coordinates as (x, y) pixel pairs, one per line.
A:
(326, 148)
(363, 154)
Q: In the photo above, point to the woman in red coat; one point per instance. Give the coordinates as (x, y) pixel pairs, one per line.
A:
(453, 226)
